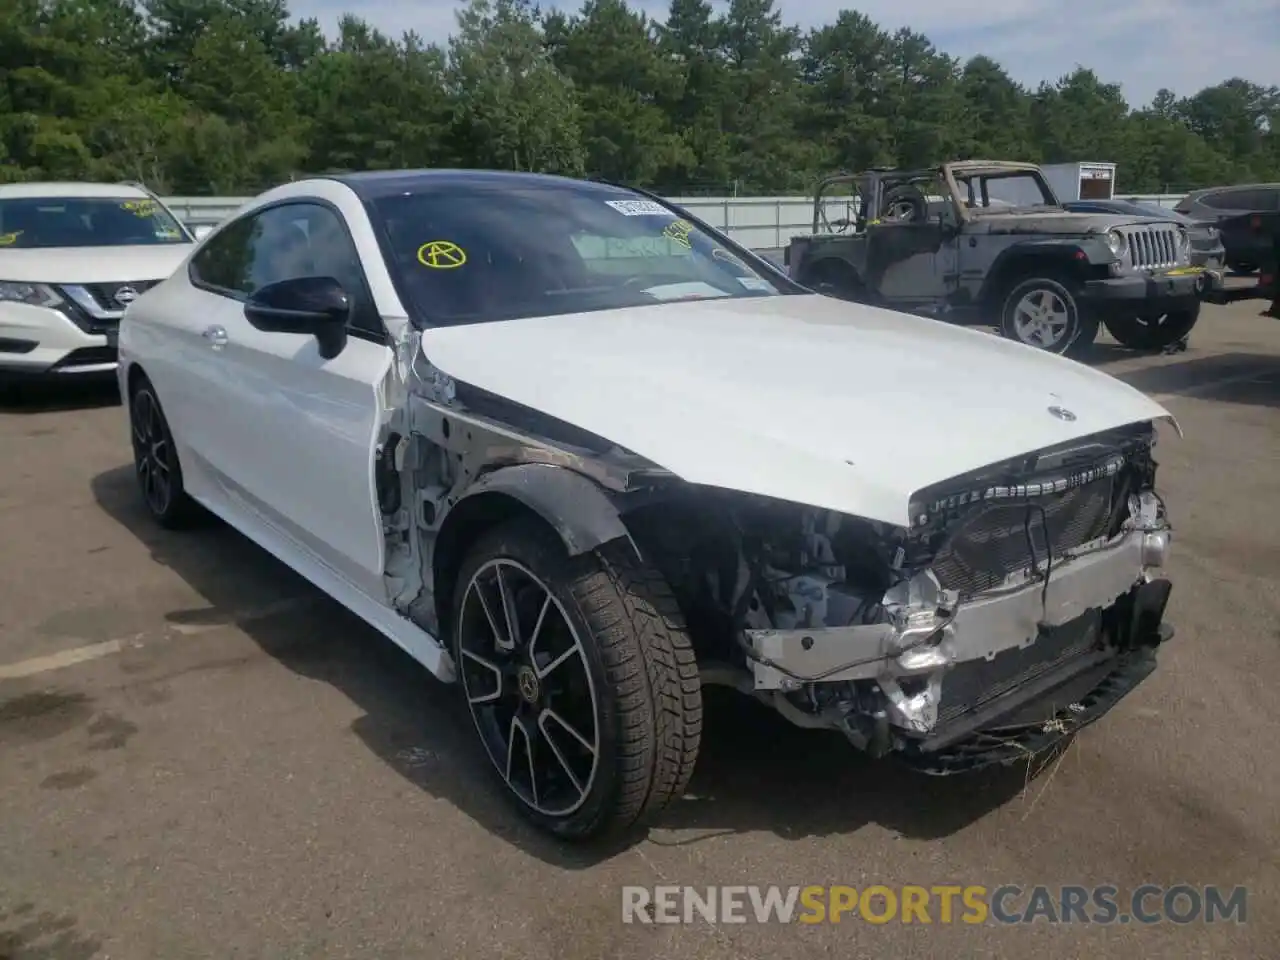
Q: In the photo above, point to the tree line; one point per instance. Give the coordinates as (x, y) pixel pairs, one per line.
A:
(226, 97)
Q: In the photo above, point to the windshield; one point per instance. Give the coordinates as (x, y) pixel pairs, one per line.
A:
(36, 222)
(1000, 191)
(497, 252)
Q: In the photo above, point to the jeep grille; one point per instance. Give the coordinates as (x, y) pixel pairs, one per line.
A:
(1153, 246)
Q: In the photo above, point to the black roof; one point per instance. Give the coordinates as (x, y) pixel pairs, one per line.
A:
(1232, 188)
(373, 185)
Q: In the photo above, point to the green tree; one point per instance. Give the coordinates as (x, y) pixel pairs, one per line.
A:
(690, 42)
(758, 115)
(231, 75)
(1079, 118)
(408, 122)
(1000, 111)
(846, 73)
(610, 55)
(513, 109)
(1235, 119)
(230, 96)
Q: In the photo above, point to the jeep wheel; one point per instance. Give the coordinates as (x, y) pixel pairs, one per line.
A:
(1042, 312)
(1141, 333)
(580, 679)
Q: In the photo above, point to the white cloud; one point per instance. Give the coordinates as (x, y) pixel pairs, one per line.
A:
(1144, 45)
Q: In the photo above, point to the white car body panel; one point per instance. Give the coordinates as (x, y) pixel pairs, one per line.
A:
(802, 398)
(55, 337)
(282, 420)
(263, 416)
(93, 264)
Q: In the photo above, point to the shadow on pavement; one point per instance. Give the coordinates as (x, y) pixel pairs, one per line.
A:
(39, 396)
(1245, 378)
(756, 772)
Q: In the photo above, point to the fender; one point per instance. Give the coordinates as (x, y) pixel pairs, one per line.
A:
(573, 505)
(578, 510)
(1063, 249)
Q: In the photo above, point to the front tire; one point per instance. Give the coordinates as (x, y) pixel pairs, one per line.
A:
(580, 679)
(155, 461)
(1043, 312)
(1139, 333)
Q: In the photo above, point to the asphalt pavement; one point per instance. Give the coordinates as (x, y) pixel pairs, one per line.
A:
(200, 756)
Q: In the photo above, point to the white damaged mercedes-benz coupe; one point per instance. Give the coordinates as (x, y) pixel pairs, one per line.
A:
(580, 454)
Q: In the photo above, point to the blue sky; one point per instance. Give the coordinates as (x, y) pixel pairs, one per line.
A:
(1143, 44)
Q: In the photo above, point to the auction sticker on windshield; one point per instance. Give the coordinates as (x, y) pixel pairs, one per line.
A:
(639, 208)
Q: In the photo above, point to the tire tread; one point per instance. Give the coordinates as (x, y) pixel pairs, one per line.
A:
(647, 661)
(650, 663)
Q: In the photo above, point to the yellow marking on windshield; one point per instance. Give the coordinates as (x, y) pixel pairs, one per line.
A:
(679, 230)
(140, 208)
(441, 255)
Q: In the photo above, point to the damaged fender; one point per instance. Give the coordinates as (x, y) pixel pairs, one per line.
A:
(577, 508)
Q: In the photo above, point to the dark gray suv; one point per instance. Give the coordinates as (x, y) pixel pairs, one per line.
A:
(1246, 247)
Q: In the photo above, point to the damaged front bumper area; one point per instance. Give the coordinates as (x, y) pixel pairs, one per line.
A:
(951, 685)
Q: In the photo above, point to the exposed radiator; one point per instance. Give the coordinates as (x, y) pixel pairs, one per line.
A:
(999, 540)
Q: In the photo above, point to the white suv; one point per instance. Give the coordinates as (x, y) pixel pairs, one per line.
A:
(73, 256)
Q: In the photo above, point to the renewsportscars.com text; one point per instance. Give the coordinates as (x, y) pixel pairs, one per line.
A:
(943, 904)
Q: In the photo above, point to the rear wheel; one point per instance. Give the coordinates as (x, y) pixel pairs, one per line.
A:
(155, 461)
(1043, 312)
(580, 679)
(1156, 333)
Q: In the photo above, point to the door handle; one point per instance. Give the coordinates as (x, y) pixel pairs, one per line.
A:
(217, 337)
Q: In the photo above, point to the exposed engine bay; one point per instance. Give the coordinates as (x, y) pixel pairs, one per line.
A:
(913, 640)
(1020, 603)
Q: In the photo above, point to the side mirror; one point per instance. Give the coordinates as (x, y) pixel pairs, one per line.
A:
(316, 306)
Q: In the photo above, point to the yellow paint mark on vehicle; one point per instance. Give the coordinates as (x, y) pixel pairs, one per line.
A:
(441, 255)
(679, 230)
(140, 208)
(1183, 271)
(9, 239)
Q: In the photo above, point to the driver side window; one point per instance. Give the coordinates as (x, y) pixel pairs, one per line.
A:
(285, 242)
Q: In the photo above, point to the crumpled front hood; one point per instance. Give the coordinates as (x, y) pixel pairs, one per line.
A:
(93, 264)
(801, 398)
